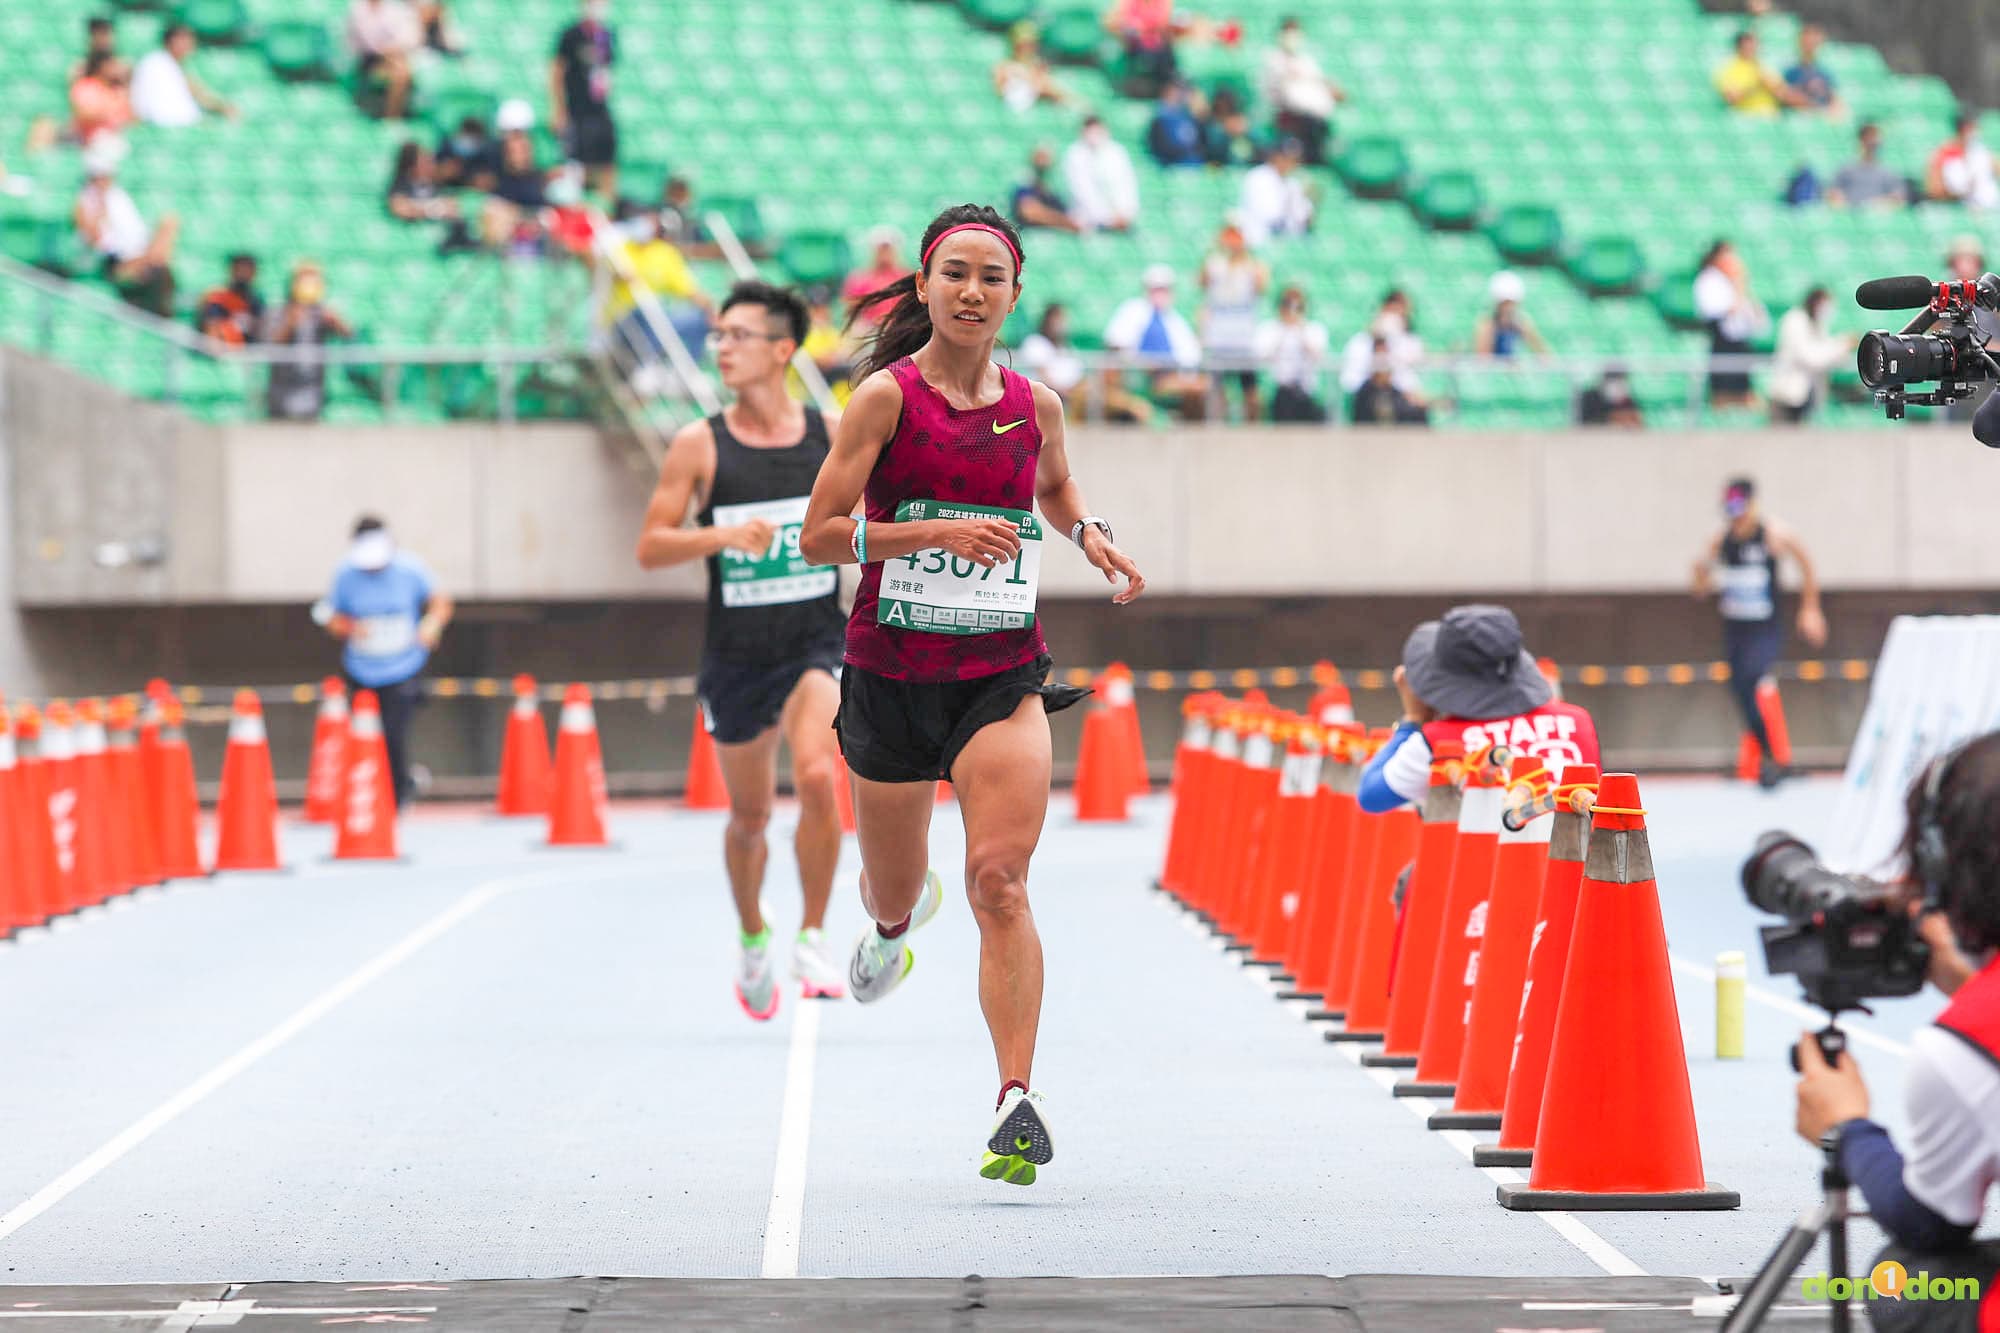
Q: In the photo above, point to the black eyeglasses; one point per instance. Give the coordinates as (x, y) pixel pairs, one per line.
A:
(719, 337)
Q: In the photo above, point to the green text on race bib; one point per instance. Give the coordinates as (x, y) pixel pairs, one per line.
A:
(778, 574)
(941, 593)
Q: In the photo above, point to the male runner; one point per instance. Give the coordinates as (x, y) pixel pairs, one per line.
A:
(1744, 558)
(775, 628)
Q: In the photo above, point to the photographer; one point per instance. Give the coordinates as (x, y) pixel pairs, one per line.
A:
(1930, 1202)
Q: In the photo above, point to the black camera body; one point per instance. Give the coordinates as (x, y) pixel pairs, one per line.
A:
(1847, 940)
(1943, 343)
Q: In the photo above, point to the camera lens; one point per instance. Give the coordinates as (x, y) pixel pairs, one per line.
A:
(1785, 878)
(1891, 360)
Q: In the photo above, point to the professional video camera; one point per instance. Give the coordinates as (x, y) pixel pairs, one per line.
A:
(1847, 940)
(1943, 343)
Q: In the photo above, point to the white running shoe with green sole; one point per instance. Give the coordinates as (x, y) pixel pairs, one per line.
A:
(1021, 1139)
(879, 965)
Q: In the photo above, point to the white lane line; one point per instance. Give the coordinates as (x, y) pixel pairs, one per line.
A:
(49, 1195)
(1814, 1018)
(788, 1180)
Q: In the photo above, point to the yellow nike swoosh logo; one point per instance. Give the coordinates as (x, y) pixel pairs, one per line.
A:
(999, 429)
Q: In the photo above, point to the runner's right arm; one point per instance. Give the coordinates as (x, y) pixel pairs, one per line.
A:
(685, 478)
(827, 535)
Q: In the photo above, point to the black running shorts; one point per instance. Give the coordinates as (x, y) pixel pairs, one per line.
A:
(740, 701)
(912, 731)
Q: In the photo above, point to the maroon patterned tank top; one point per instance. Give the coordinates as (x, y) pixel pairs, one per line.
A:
(939, 452)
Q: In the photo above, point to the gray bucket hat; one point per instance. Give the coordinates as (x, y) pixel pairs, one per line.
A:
(1471, 664)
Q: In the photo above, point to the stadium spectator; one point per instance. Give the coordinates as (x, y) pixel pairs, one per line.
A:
(100, 38)
(414, 195)
(1233, 283)
(1747, 86)
(1294, 349)
(885, 267)
(1275, 201)
(385, 35)
(1048, 355)
(829, 348)
(1609, 402)
(1230, 140)
(680, 221)
(165, 92)
(1103, 188)
(1300, 93)
(234, 312)
(1809, 79)
(1961, 169)
(1159, 340)
(1391, 324)
(1965, 260)
(1506, 329)
(656, 266)
(467, 158)
(297, 389)
(1177, 134)
(1022, 77)
(1035, 202)
(1807, 349)
(580, 96)
(441, 33)
(1865, 182)
(100, 100)
(138, 258)
(1379, 402)
(1723, 301)
(1145, 29)
(509, 220)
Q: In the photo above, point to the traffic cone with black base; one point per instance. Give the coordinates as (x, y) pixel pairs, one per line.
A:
(577, 804)
(247, 809)
(1459, 933)
(326, 771)
(1617, 1129)
(1190, 763)
(1548, 957)
(367, 830)
(524, 755)
(1383, 848)
(1281, 876)
(1115, 687)
(1498, 962)
(1262, 754)
(1330, 965)
(1420, 920)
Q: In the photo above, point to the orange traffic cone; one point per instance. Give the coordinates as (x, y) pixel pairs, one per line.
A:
(1498, 964)
(247, 810)
(16, 889)
(1280, 888)
(75, 884)
(705, 790)
(1129, 748)
(1222, 826)
(1315, 947)
(1336, 963)
(1101, 788)
(1262, 753)
(1459, 933)
(1548, 957)
(172, 793)
(943, 796)
(524, 755)
(576, 803)
(1419, 923)
(1750, 755)
(106, 842)
(368, 798)
(1618, 1133)
(843, 794)
(326, 772)
(42, 888)
(1332, 704)
(1384, 845)
(1189, 754)
(130, 784)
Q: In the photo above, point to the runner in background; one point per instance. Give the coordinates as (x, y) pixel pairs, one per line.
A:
(1740, 566)
(388, 612)
(947, 675)
(775, 628)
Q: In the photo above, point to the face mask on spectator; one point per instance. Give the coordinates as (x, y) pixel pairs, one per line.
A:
(596, 11)
(1388, 324)
(1291, 39)
(308, 288)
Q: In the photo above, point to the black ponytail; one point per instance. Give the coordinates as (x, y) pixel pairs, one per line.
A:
(907, 325)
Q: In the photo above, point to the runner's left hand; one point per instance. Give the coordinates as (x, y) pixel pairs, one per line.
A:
(1098, 549)
(1812, 626)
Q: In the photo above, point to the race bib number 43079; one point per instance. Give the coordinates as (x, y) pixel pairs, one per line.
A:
(942, 593)
(778, 573)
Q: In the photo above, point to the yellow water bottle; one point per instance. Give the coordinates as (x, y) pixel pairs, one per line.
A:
(1729, 984)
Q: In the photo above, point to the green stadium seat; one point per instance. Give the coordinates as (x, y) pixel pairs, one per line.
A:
(1374, 167)
(1608, 264)
(1527, 234)
(1448, 200)
(218, 22)
(812, 257)
(997, 13)
(446, 108)
(298, 50)
(1074, 37)
(742, 214)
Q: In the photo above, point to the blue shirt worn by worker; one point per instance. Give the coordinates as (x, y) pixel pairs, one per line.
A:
(386, 605)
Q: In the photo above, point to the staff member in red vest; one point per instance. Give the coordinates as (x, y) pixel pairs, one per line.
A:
(1466, 677)
(1931, 1201)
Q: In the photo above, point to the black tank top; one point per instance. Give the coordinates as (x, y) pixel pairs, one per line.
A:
(775, 606)
(1748, 580)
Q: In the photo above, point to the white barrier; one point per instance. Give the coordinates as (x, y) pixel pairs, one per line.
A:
(1937, 684)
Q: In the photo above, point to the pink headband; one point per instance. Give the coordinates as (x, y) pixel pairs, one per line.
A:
(1019, 263)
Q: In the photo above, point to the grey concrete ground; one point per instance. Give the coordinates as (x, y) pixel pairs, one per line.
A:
(499, 1061)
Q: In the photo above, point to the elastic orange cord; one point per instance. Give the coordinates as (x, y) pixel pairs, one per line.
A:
(1615, 810)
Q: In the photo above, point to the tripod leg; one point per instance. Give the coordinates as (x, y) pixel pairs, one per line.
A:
(1772, 1278)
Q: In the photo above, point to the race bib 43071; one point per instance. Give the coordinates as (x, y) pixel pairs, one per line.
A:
(942, 593)
(777, 574)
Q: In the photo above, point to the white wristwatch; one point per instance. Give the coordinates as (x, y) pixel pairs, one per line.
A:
(1076, 533)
